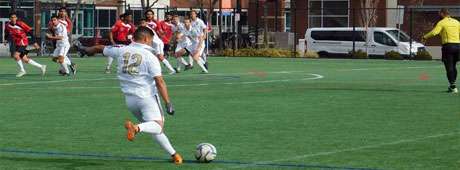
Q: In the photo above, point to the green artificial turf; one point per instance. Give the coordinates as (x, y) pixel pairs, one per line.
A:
(260, 113)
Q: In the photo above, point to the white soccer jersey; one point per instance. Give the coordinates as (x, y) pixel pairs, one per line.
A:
(178, 28)
(199, 25)
(61, 30)
(193, 34)
(136, 68)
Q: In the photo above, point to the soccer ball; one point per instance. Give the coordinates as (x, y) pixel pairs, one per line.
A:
(205, 152)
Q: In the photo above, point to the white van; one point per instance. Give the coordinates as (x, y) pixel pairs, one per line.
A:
(378, 41)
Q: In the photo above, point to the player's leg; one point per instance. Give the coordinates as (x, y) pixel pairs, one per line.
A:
(24, 56)
(180, 60)
(449, 59)
(166, 63)
(148, 112)
(197, 57)
(18, 60)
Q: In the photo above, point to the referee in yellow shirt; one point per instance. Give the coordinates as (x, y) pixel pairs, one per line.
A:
(449, 29)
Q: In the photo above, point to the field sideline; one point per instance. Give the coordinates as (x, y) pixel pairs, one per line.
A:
(260, 113)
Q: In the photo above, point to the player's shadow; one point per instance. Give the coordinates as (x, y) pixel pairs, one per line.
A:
(70, 163)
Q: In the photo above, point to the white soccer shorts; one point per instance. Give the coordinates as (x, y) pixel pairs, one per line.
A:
(145, 109)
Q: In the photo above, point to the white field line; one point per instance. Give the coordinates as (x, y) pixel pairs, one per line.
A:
(349, 149)
(314, 77)
(215, 74)
(114, 78)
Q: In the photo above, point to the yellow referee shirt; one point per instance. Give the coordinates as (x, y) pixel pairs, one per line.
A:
(449, 28)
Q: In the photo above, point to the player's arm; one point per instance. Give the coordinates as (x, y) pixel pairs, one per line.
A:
(161, 86)
(29, 32)
(436, 30)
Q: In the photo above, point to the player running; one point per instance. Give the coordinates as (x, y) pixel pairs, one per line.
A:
(62, 46)
(191, 40)
(17, 32)
(158, 43)
(65, 19)
(119, 35)
(198, 24)
(139, 72)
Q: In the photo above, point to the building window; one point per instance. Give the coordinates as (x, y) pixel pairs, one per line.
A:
(328, 13)
(105, 18)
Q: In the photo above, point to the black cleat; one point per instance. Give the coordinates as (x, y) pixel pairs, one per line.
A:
(206, 65)
(188, 67)
(176, 70)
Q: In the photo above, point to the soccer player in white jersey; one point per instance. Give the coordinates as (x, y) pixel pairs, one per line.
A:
(198, 24)
(191, 40)
(178, 28)
(158, 43)
(139, 72)
(62, 45)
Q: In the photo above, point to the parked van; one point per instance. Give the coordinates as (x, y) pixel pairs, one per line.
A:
(376, 41)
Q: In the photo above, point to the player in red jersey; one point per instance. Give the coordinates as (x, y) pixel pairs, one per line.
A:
(17, 32)
(120, 35)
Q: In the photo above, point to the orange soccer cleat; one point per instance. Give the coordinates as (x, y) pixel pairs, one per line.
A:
(177, 159)
(131, 130)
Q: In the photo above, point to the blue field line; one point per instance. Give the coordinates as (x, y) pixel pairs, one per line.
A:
(145, 158)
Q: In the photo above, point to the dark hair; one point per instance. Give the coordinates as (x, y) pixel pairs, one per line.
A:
(128, 13)
(187, 18)
(193, 11)
(445, 11)
(62, 8)
(121, 16)
(149, 10)
(142, 32)
(12, 13)
(54, 16)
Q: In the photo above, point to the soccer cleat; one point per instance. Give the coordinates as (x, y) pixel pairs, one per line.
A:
(188, 67)
(131, 130)
(108, 71)
(73, 68)
(176, 70)
(172, 72)
(206, 65)
(177, 159)
(452, 90)
(21, 73)
(43, 69)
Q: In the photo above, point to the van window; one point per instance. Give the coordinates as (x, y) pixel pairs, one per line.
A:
(383, 38)
(338, 35)
(398, 35)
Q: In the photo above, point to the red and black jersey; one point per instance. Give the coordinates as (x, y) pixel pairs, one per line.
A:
(18, 32)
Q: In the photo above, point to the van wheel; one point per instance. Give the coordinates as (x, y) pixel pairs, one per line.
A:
(323, 54)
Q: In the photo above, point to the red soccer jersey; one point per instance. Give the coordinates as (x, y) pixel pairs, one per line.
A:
(167, 31)
(18, 33)
(120, 31)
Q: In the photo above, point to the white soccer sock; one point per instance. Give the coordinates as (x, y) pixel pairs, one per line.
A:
(182, 60)
(67, 61)
(21, 66)
(201, 64)
(178, 64)
(163, 140)
(150, 127)
(190, 59)
(32, 62)
(109, 62)
(205, 57)
(66, 69)
(166, 63)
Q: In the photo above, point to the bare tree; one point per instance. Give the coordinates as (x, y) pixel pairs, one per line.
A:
(369, 13)
(147, 5)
